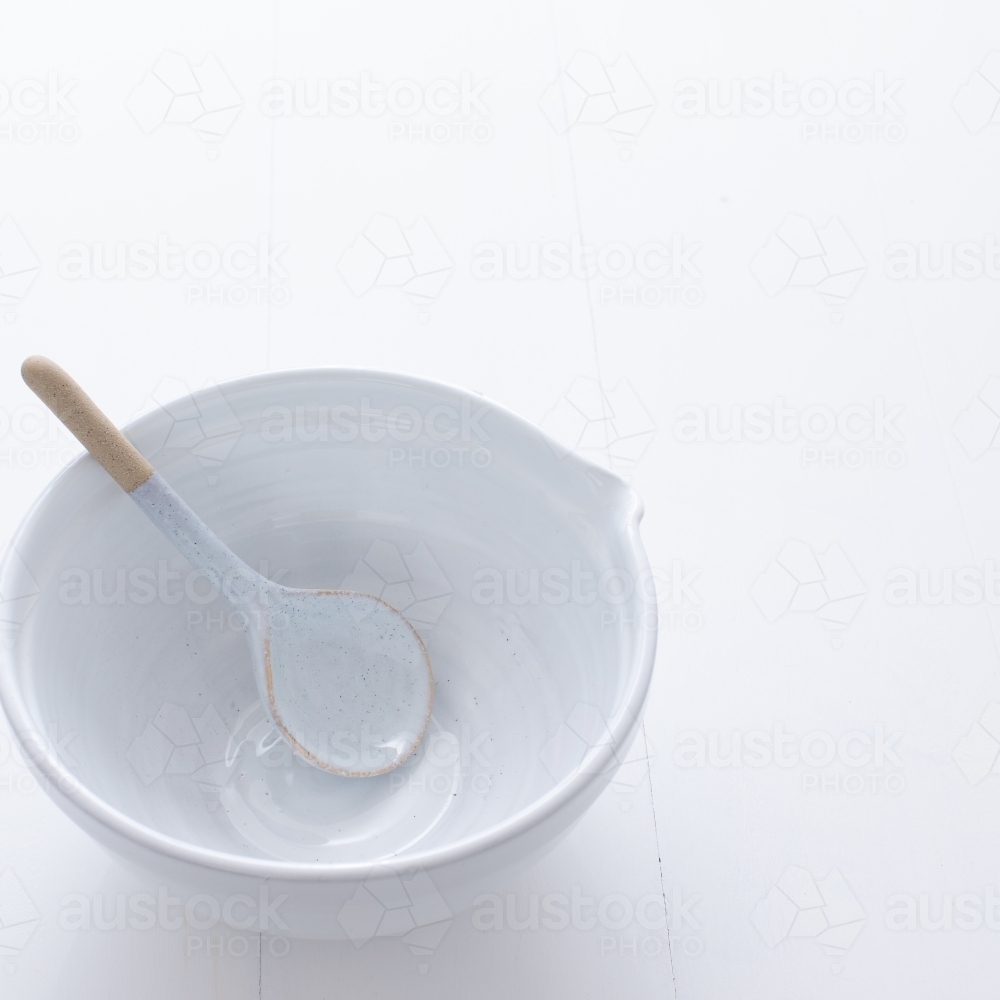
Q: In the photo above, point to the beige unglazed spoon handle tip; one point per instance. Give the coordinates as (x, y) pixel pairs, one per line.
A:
(88, 424)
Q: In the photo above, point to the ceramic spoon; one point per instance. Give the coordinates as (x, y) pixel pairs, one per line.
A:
(344, 676)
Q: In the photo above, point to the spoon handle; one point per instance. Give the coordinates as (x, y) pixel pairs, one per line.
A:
(130, 470)
(88, 424)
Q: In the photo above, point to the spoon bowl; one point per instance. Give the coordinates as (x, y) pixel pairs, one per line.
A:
(347, 678)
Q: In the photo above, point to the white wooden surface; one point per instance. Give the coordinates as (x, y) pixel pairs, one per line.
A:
(911, 836)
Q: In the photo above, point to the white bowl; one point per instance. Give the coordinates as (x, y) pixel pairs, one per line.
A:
(430, 498)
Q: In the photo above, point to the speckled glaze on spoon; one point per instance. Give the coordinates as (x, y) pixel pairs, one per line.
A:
(344, 676)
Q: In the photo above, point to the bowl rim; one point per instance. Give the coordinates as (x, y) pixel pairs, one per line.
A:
(599, 759)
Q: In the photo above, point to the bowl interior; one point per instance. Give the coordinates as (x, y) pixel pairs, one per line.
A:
(503, 553)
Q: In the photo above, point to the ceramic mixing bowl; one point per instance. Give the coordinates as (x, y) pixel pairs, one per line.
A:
(520, 565)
